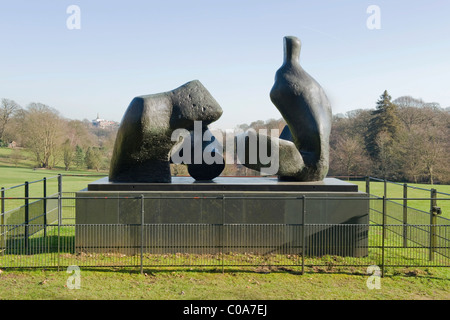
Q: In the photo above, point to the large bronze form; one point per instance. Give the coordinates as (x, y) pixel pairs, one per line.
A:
(143, 143)
(304, 142)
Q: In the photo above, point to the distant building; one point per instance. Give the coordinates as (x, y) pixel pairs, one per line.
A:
(104, 124)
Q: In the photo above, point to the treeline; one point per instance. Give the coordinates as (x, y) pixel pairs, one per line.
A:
(405, 139)
(54, 140)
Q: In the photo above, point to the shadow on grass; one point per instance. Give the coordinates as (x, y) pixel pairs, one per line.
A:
(416, 273)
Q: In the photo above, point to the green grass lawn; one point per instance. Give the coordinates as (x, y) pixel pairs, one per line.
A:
(23, 158)
(11, 176)
(72, 181)
(212, 284)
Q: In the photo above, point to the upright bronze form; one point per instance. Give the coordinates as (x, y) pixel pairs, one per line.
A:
(307, 111)
(304, 142)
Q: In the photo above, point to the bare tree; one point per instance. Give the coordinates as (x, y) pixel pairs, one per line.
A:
(410, 144)
(7, 110)
(426, 144)
(386, 161)
(43, 133)
(93, 158)
(346, 152)
(15, 157)
(348, 157)
(78, 134)
(433, 153)
(68, 152)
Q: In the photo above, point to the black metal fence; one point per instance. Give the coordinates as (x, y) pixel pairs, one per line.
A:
(417, 227)
(34, 213)
(396, 236)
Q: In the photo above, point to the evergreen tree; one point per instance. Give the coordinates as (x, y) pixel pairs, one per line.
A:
(68, 154)
(79, 157)
(93, 158)
(384, 120)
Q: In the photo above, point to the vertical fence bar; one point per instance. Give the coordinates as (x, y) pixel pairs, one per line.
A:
(303, 233)
(59, 228)
(222, 234)
(384, 209)
(2, 201)
(405, 215)
(27, 215)
(60, 189)
(44, 184)
(142, 233)
(59, 217)
(59, 183)
(2, 213)
(368, 185)
(383, 236)
(433, 205)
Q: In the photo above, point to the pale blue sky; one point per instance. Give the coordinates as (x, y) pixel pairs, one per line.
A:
(130, 48)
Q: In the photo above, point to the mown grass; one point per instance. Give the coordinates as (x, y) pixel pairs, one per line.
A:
(71, 181)
(252, 277)
(74, 179)
(212, 284)
(23, 158)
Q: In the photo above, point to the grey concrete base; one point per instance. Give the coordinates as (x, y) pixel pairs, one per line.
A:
(225, 221)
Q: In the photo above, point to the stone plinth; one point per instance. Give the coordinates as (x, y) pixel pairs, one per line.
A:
(231, 214)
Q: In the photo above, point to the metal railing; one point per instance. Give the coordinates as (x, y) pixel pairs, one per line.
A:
(34, 213)
(423, 225)
(388, 239)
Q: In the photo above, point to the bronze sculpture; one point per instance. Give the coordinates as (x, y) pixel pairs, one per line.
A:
(143, 147)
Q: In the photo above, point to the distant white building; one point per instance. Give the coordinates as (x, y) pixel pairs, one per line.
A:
(103, 124)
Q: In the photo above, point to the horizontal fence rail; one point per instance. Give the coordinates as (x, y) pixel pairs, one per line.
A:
(414, 227)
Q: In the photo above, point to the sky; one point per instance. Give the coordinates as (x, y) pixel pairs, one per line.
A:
(124, 49)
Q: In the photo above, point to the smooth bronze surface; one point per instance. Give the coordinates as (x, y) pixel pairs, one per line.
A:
(143, 142)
